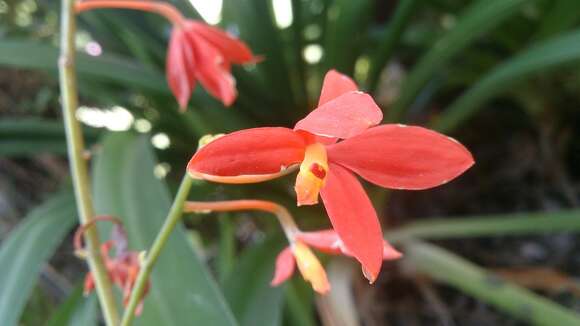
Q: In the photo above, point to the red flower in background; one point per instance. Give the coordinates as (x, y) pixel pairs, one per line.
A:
(200, 52)
(326, 241)
(391, 156)
(122, 267)
(196, 52)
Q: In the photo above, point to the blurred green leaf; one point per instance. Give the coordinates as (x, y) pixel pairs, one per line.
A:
(453, 270)
(34, 55)
(299, 304)
(27, 248)
(86, 313)
(227, 246)
(31, 136)
(264, 39)
(491, 225)
(479, 18)
(76, 310)
(563, 15)
(182, 290)
(248, 289)
(553, 53)
(389, 40)
(345, 34)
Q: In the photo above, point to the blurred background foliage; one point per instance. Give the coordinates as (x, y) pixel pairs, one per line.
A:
(502, 76)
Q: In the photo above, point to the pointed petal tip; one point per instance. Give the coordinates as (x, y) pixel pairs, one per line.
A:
(389, 252)
(322, 289)
(285, 265)
(372, 277)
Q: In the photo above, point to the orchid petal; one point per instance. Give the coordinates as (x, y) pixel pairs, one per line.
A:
(234, 50)
(248, 156)
(326, 240)
(213, 70)
(285, 265)
(402, 157)
(180, 67)
(354, 219)
(343, 117)
(389, 252)
(334, 85)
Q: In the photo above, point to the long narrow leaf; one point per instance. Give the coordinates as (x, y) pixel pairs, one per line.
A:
(493, 225)
(346, 17)
(25, 137)
(453, 270)
(390, 39)
(27, 248)
(564, 49)
(481, 17)
(33, 55)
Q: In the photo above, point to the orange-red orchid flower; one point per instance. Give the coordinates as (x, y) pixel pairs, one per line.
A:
(197, 51)
(122, 267)
(326, 241)
(392, 156)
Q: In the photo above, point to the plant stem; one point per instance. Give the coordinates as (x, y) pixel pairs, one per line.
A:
(173, 217)
(284, 217)
(78, 166)
(161, 8)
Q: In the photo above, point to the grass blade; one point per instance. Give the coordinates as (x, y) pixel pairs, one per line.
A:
(25, 137)
(492, 225)
(553, 53)
(33, 55)
(481, 17)
(389, 40)
(345, 17)
(454, 271)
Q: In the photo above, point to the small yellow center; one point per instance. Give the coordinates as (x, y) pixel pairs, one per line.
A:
(310, 268)
(312, 174)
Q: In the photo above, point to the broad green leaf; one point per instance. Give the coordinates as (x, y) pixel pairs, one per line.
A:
(491, 225)
(248, 289)
(481, 17)
(182, 290)
(519, 302)
(33, 55)
(27, 248)
(553, 53)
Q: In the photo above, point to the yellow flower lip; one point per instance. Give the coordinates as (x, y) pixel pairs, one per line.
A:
(312, 175)
(310, 267)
